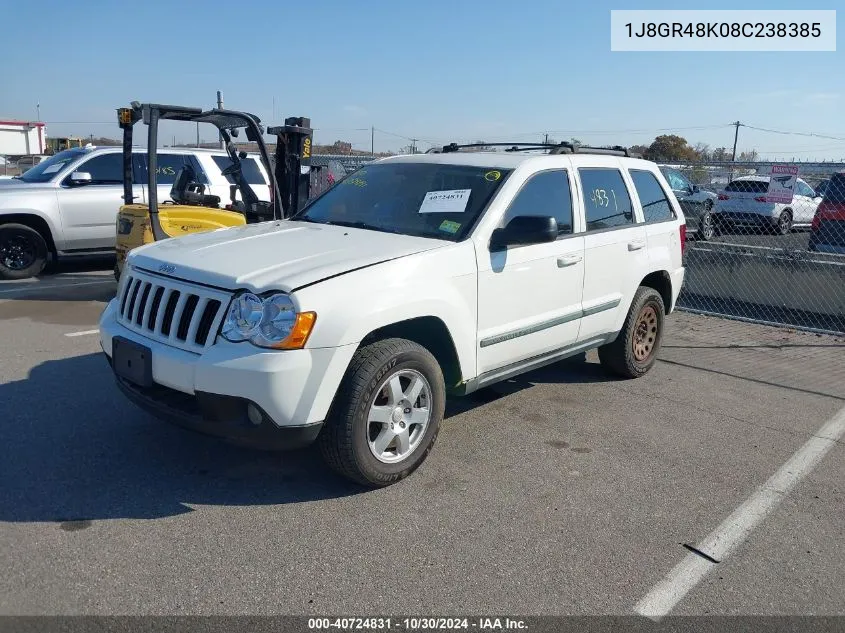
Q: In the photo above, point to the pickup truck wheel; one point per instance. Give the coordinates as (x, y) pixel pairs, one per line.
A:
(23, 252)
(386, 415)
(634, 351)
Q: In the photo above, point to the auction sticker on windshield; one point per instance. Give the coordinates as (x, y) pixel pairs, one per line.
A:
(451, 201)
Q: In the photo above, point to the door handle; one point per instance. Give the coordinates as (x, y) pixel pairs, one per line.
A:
(568, 260)
(636, 245)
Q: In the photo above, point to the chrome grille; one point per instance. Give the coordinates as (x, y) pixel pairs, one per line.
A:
(170, 311)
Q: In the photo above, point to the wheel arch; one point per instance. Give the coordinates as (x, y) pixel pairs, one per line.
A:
(661, 281)
(34, 221)
(430, 332)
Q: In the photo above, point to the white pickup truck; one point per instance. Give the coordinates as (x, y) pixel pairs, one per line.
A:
(415, 278)
(66, 205)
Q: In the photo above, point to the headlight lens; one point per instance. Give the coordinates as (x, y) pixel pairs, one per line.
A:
(271, 322)
(244, 317)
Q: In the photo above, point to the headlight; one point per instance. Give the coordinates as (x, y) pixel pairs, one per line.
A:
(269, 322)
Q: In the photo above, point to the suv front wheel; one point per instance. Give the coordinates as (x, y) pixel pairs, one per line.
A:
(634, 351)
(23, 252)
(386, 414)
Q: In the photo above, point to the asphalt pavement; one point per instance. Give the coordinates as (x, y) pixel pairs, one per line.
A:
(564, 491)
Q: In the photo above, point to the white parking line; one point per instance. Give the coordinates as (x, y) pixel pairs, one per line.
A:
(39, 287)
(738, 526)
(83, 333)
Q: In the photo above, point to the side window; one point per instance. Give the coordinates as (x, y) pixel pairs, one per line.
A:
(105, 169)
(546, 193)
(251, 171)
(803, 189)
(607, 203)
(655, 203)
(168, 165)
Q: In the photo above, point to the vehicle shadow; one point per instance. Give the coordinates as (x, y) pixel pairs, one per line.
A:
(73, 450)
(79, 265)
(573, 370)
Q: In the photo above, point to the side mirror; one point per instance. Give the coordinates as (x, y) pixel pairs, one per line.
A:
(696, 188)
(81, 178)
(523, 230)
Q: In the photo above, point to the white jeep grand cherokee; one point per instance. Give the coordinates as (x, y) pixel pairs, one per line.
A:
(415, 277)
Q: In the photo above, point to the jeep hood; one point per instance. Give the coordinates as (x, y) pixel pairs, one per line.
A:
(283, 255)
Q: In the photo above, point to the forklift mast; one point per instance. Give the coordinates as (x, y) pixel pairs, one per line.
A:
(293, 153)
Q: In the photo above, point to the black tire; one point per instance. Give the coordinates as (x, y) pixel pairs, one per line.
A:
(343, 441)
(707, 228)
(783, 225)
(23, 252)
(620, 357)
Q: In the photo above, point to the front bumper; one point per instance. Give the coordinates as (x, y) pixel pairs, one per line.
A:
(289, 391)
(224, 417)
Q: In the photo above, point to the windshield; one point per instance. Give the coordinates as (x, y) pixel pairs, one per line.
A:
(419, 199)
(47, 170)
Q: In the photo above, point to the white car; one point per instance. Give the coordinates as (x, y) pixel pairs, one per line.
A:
(413, 278)
(743, 203)
(66, 205)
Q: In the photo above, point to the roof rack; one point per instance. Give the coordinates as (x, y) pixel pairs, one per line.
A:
(554, 148)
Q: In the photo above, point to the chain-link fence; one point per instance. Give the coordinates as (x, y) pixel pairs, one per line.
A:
(766, 241)
(9, 166)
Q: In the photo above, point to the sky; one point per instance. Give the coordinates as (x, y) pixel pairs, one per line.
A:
(437, 71)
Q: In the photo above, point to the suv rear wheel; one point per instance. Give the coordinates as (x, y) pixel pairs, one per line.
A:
(386, 414)
(634, 351)
(783, 224)
(23, 252)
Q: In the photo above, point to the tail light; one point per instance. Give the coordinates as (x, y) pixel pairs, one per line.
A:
(683, 235)
(724, 196)
(760, 199)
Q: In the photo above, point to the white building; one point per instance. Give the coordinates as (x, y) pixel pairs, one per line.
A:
(21, 138)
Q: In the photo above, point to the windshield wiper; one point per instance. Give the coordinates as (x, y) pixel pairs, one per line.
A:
(358, 224)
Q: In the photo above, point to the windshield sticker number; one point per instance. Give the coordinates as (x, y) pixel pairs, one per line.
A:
(357, 182)
(448, 226)
(451, 201)
(492, 176)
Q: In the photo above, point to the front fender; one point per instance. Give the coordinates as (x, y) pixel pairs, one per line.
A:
(48, 213)
(440, 283)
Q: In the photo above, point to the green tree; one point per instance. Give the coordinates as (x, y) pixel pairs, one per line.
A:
(670, 147)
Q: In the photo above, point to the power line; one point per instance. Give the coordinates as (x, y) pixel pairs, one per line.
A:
(811, 134)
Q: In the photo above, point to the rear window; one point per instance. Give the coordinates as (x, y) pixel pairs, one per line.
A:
(835, 191)
(252, 173)
(748, 186)
(655, 203)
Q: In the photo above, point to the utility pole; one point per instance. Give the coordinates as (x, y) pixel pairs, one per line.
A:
(38, 112)
(198, 133)
(372, 140)
(736, 137)
(413, 146)
(546, 140)
(220, 107)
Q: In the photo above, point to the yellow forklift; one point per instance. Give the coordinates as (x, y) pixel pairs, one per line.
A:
(191, 209)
